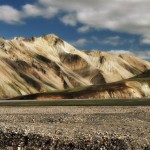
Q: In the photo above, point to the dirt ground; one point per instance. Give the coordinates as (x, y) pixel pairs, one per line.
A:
(75, 128)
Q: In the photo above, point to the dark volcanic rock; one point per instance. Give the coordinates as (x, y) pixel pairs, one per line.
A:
(19, 139)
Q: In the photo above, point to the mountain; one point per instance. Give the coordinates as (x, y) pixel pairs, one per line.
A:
(48, 63)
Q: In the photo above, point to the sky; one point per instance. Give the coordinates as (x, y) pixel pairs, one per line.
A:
(109, 25)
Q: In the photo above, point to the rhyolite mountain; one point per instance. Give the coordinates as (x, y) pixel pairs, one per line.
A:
(48, 63)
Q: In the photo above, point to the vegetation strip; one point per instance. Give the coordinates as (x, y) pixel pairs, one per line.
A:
(108, 102)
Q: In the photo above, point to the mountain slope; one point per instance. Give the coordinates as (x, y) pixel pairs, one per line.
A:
(47, 63)
(136, 87)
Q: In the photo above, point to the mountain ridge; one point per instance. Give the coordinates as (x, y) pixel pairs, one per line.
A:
(48, 63)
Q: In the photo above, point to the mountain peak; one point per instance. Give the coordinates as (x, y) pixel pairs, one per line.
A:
(51, 35)
(53, 39)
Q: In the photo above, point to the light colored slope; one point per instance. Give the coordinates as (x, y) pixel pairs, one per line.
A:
(48, 63)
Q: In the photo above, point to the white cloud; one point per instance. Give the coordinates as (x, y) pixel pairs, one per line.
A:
(36, 10)
(80, 42)
(9, 14)
(145, 39)
(32, 10)
(114, 41)
(69, 20)
(83, 29)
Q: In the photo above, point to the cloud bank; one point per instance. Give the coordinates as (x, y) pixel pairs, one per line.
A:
(130, 16)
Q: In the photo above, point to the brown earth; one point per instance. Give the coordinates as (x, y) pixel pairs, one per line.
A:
(123, 128)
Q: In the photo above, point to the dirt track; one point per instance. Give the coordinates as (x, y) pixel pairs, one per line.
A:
(75, 128)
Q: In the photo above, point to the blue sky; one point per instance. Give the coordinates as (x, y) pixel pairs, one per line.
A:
(87, 24)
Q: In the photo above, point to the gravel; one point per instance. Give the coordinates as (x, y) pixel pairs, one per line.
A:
(73, 128)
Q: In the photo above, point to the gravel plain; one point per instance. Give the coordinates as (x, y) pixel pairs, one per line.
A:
(73, 128)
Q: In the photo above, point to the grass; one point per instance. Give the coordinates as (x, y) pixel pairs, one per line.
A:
(98, 102)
